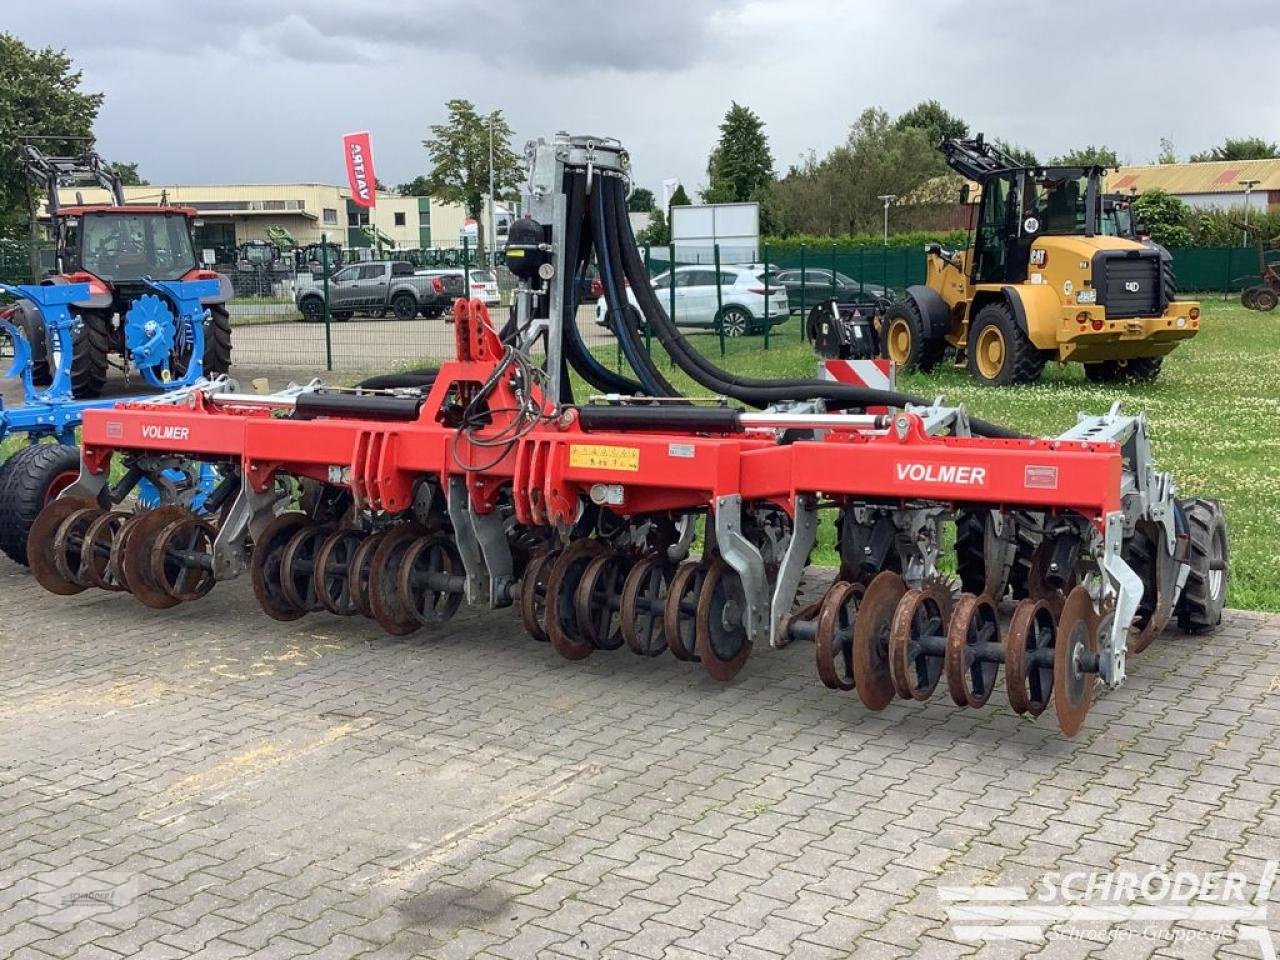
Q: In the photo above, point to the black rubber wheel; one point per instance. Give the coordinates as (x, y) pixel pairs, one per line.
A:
(1199, 608)
(1134, 370)
(1265, 299)
(432, 313)
(404, 306)
(29, 481)
(736, 321)
(32, 326)
(312, 310)
(342, 316)
(999, 351)
(906, 341)
(90, 346)
(1246, 297)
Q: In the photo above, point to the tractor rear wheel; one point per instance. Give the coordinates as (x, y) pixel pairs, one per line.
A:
(30, 480)
(906, 341)
(90, 350)
(1246, 297)
(1000, 352)
(1133, 370)
(217, 340)
(1199, 608)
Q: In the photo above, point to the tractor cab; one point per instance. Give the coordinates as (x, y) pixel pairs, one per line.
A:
(124, 245)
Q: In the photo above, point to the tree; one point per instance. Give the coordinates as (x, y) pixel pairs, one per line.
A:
(1020, 155)
(934, 120)
(740, 167)
(680, 198)
(417, 187)
(640, 200)
(1167, 156)
(1239, 148)
(40, 95)
(1165, 217)
(128, 173)
(656, 233)
(459, 154)
(1101, 156)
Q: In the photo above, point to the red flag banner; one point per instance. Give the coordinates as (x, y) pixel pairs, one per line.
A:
(359, 151)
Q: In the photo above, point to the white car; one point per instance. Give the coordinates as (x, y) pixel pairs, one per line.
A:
(741, 304)
(484, 287)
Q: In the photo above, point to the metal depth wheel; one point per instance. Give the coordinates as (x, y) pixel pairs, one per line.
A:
(972, 662)
(265, 566)
(833, 635)
(298, 567)
(40, 546)
(563, 627)
(644, 600)
(721, 638)
(333, 573)
(1076, 646)
(431, 579)
(68, 545)
(533, 594)
(1028, 657)
(917, 644)
(1158, 570)
(135, 544)
(680, 615)
(383, 591)
(95, 556)
(182, 558)
(361, 562)
(872, 680)
(598, 600)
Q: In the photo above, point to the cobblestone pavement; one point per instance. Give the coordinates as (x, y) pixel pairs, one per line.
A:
(207, 782)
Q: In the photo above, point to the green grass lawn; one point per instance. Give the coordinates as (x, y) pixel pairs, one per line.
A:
(1214, 415)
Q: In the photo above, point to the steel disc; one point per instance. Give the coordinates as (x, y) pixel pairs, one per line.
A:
(644, 600)
(870, 652)
(361, 563)
(1077, 635)
(40, 545)
(680, 614)
(722, 641)
(1029, 685)
(95, 554)
(176, 558)
(334, 563)
(598, 600)
(383, 590)
(134, 547)
(68, 545)
(118, 546)
(974, 621)
(533, 594)
(833, 638)
(427, 572)
(563, 628)
(915, 671)
(298, 567)
(265, 564)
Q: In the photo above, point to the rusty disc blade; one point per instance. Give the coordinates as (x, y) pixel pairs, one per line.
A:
(1073, 687)
(95, 554)
(334, 563)
(1159, 573)
(426, 580)
(870, 652)
(918, 619)
(974, 622)
(40, 545)
(533, 594)
(680, 614)
(598, 600)
(563, 628)
(384, 581)
(182, 558)
(722, 641)
(68, 544)
(361, 563)
(644, 600)
(1028, 678)
(298, 567)
(135, 555)
(833, 637)
(264, 567)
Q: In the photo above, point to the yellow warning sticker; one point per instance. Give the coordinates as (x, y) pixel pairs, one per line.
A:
(604, 458)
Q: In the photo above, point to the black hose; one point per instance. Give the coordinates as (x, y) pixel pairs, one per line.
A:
(422, 378)
(754, 391)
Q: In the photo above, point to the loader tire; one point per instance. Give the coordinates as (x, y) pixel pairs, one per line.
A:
(1134, 370)
(30, 480)
(1199, 608)
(999, 350)
(90, 350)
(906, 340)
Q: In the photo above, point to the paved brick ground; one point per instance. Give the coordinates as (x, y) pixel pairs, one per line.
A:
(207, 782)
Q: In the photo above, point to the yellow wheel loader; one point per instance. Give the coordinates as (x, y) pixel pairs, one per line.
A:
(1041, 281)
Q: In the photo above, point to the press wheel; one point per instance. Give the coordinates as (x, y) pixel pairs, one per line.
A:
(1077, 638)
(134, 546)
(361, 562)
(563, 628)
(68, 544)
(916, 671)
(644, 598)
(385, 600)
(265, 566)
(176, 556)
(833, 636)
(40, 545)
(1027, 680)
(974, 623)
(872, 680)
(722, 640)
(95, 555)
(598, 600)
(298, 567)
(334, 565)
(426, 572)
(533, 594)
(680, 614)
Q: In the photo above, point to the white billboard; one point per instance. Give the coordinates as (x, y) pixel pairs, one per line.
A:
(695, 231)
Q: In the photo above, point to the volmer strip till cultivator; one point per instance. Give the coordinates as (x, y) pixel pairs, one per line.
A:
(485, 481)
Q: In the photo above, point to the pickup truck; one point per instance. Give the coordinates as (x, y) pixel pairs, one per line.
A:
(379, 287)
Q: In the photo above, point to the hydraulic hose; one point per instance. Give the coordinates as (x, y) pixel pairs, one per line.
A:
(754, 391)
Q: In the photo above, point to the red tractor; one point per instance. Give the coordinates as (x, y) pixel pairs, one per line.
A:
(120, 251)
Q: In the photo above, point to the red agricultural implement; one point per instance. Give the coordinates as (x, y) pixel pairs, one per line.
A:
(485, 481)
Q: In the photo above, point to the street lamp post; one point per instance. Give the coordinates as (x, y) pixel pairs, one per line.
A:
(1248, 189)
(886, 199)
(493, 216)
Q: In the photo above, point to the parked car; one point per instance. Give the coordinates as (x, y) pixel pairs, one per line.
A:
(742, 299)
(804, 293)
(484, 287)
(378, 287)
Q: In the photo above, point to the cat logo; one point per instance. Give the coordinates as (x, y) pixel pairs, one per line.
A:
(1039, 257)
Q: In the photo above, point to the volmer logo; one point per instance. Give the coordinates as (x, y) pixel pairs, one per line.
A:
(961, 474)
(154, 431)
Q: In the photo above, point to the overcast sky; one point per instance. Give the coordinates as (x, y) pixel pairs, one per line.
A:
(246, 91)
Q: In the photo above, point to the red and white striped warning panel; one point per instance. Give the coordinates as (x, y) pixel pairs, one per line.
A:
(876, 374)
